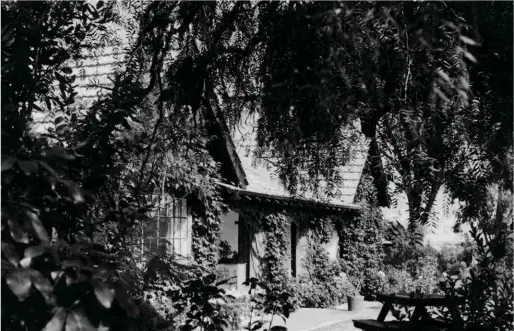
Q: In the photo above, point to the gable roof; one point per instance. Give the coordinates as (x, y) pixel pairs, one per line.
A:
(93, 80)
(263, 181)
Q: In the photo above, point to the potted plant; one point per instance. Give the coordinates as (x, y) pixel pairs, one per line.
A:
(355, 299)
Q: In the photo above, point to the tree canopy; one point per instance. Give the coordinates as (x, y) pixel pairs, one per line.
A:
(428, 83)
(417, 76)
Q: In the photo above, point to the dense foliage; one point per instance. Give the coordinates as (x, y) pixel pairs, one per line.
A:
(75, 195)
(48, 183)
(488, 291)
(360, 245)
(322, 287)
(450, 257)
(403, 69)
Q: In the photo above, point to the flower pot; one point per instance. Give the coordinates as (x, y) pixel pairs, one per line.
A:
(355, 303)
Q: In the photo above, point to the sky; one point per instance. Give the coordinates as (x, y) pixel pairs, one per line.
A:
(439, 236)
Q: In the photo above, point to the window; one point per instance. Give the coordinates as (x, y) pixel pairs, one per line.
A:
(169, 232)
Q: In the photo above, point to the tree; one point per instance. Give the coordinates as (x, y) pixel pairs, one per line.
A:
(74, 196)
(488, 292)
(308, 69)
(50, 284)
(311, 69)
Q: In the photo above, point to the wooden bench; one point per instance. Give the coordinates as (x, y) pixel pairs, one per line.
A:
(420, 316)
(440, 323)
(373, 325)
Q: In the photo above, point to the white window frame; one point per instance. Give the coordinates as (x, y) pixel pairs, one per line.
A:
(168, 237)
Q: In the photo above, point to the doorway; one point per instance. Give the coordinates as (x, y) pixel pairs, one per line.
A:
(293, 248)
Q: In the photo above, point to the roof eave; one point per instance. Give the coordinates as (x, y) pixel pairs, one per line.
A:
(244, 192)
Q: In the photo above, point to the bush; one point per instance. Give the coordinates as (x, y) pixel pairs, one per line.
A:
(373, 284)
(488, 292)
(409, 268)
(400, 281)
(238, 310)
(323, 294)
(319, 295)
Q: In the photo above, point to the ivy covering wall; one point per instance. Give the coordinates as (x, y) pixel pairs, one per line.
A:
(271, 221)
(207, 218)
(360, 240)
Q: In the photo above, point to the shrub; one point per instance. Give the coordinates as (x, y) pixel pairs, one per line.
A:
(488, 292)
(237, 310)
(319, 295)
(323, 294)
(272, 299)
(373, 284)
(400, 281)
(203, 303)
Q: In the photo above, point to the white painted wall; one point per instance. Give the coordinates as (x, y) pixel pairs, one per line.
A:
(229, 232)
(256, 254)
(332, 247)
(229, 229)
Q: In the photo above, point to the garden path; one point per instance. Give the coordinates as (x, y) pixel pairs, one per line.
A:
(338, 319)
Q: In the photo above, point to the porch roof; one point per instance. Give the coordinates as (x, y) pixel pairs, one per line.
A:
(250, 195)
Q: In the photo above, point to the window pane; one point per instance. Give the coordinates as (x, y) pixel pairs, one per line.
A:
(163, 246)
(169, 231)
(183, 208)
(164, 224)
(163, 205)
(150, 229)
(176, 246)
(177, 228)
(150, 245)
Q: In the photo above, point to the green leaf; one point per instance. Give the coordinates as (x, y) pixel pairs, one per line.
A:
(26, 262)
(7, 162)
(19, 282)
(99, 4)
(38, 227)
(10, 253)
(34, 251)
(78, 321)
(57, 322)
(468, 41)
(104, 294)
(28, 167)
(43, 285)
(470, 57)
(256, 326)
(18, 234)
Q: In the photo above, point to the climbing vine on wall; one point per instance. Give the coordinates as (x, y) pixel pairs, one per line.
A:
(206, 230)
(272, 223)
(274, 227)
(360, 241)
(321, 226)
(318, 264)
(195, 174)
